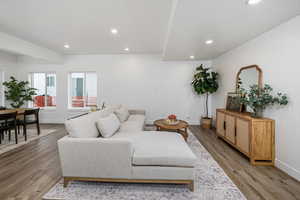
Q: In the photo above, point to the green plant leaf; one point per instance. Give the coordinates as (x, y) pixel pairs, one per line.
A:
(18, 93)
(205, 82)
(260, 98)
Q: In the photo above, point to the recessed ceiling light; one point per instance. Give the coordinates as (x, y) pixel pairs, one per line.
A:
(114, 31)
(253, 2)
(192, 57)
(209, 41)
(67, 46)
(126, 49)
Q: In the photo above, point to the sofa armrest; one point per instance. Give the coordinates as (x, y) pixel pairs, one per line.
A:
(137, 112)
(95, 157)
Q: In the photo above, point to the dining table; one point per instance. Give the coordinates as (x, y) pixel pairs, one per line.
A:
(20, 111)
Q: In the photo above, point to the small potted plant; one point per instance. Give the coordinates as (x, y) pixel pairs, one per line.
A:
(18, 92)
(258, 99)
(205, 82)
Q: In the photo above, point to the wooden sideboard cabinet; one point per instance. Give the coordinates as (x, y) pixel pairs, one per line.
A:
(254, 137)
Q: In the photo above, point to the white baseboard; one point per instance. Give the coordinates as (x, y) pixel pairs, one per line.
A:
(288, 169)
(52, 121)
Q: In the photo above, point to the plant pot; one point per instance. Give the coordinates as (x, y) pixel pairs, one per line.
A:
(258, 113)
(206, 122)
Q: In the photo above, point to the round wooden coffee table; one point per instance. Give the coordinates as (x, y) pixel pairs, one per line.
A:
(180, 128)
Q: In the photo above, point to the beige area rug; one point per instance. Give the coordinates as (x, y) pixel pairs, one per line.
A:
(7, 145)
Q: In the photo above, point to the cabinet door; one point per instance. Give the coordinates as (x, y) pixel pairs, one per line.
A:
(263, 140)
(243, 135)
(230, 128)
(220, 124)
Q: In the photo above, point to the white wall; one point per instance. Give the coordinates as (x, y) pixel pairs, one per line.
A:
(7, 62)
(277, 53)
(138, 81)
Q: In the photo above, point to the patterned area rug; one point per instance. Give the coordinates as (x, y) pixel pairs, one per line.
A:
(211, 183)
(7, 145)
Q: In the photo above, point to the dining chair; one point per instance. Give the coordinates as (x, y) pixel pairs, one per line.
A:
(8, 122)
(2, 108)
(31, 116)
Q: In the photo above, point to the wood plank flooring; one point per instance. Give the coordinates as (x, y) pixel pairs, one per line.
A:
(30, 171)
(256, 182)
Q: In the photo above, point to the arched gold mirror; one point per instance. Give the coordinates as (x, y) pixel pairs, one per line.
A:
(248, 76)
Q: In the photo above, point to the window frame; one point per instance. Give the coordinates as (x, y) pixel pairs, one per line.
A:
(31, 103)
(85, 108)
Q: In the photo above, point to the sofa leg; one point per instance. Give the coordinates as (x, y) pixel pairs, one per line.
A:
(191, 186)
(66, 182)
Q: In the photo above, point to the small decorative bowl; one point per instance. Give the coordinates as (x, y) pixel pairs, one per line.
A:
(171, 122)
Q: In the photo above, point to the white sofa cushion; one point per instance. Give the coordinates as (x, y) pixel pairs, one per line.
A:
(122, 113)
(133, 124)
(136, 118)
(162, 173)
(82, 127)
(158, 148)
(85, 126)
(108, 126)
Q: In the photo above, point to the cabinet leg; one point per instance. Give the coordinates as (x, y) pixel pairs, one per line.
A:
(66, 182)
(191, 186)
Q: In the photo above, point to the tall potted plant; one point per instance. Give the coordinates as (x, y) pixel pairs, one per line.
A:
(18, 92)
(205, 82)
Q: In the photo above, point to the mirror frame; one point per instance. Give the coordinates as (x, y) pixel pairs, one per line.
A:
(260, 75)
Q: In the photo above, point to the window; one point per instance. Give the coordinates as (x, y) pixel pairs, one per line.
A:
(82, 89)
(45, 83)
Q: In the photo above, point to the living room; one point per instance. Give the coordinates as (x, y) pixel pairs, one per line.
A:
(117, 108)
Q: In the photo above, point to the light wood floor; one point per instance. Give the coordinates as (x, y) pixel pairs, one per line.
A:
(30, 171)
(256, 182)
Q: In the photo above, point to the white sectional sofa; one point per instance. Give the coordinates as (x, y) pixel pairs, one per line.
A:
(130, 155)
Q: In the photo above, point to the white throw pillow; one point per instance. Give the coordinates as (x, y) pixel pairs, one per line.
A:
(82, 127)
(122, 113)
(108, 126)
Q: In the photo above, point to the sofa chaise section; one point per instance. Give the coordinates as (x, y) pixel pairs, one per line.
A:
(131, 155)
(152, 148)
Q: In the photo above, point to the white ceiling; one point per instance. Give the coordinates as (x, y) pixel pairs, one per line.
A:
(174, 28)
(86, 24)
(228, 22)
